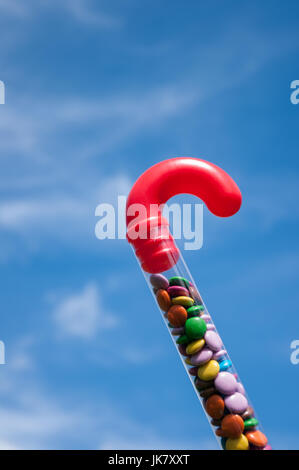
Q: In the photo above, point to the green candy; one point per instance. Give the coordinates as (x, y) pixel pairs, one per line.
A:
(183, 340)
(250, 423)
(195, 328)
(178, 281)
(195, 311)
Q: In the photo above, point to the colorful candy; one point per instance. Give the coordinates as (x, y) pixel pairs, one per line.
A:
(257, 438)
(236, 403)
(183, 300)
(215, 406)
(195, 346)
(178, 291)
(195, 328)
(218, 386)
(208, 371)
(163, 299)
(232, 426)
(177, 315)
(239, 443)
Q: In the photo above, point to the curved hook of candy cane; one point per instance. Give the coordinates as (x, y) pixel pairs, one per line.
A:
(155, 186)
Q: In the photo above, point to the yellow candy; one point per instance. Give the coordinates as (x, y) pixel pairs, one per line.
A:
(240, 443)
(183, 300)
(208, 371)
(195, 346)
(188, 361)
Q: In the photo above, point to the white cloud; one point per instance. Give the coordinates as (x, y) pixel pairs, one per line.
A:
(82, 314)
(83, 11)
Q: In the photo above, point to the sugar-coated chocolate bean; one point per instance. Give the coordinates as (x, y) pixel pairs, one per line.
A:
(232, 426)
(208, 371)
(159, 281)
(224, 365)
(236, 403)
(177, 291)
(240, 388)
(239, 443)
(195, 346)
(177, 331)
(179, 281)
(193, 371)
(195, 328)
(163, 299)
(256, 438)
(182, 300)
(207, 392)
(201, 357)
(177, 315)
(250, 423)
(226, 383)
(213, 340)
(194, 311)
(183, 339)
(182, 349)
(216, 422)
(219, 354)
(202, 384)
(215, 406)
(248, 413)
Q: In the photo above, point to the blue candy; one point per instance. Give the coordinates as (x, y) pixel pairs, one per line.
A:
(224, 365)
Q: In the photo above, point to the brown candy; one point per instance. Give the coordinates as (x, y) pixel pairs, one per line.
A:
(202, 384)
(177, 315)
(256, 438)
(163, 300)
(193, 371)
(248, 413)
(215, 406)
(232, 426)
(208, 392)
(216, 422)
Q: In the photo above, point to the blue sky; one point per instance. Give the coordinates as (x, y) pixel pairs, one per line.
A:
(96, 92)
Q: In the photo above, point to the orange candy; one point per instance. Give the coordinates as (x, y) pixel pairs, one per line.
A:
(256, 438)
(215, 406)
(232, 426)
(177, 315)
(163, 299)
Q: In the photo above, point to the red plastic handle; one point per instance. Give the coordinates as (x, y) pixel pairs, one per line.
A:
(161, 182)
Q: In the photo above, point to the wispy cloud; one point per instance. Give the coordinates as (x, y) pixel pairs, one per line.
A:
(82, 314)
(83, 11)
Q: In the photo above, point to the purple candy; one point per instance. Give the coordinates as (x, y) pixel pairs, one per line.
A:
(236, 403)
(177, 291)
(201, 357)
(210, 327)
(206, 317)
(177, 331)
(213, 341)
(226, 383)
(241, 389)
(219, 354)
(159, 281)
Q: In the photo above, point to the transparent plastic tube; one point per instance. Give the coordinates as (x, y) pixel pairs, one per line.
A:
(201, 349)
(206, 360)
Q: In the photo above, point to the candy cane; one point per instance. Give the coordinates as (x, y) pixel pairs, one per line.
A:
(201, 349)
